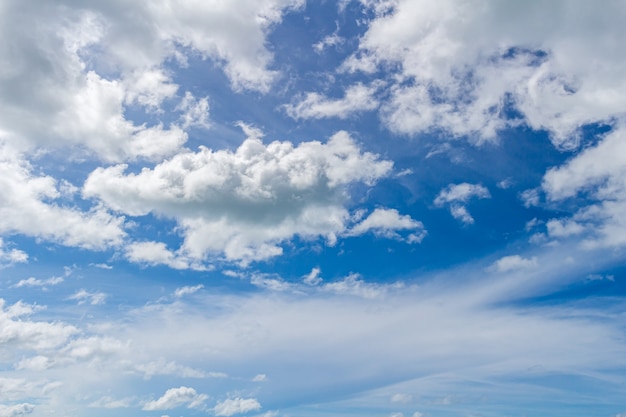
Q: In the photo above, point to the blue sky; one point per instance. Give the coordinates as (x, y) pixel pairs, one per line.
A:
(280, 208)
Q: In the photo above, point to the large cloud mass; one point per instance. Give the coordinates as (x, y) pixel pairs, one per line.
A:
(244, 203)
(464, 64)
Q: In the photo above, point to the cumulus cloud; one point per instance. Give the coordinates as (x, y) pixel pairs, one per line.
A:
(357, 98)
(354, 285)
(33, 205)
(16, 331)
(513, 263)
(387, 223)
(11, 256)
(598, 175)
(176, 397)
(238, 405)
(462, 65)
(457, 195)
(34, 282)
(242, 204)
(194, 112)
(78, 66)
(16, 410)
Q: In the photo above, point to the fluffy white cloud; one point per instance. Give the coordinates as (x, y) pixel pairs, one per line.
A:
(463, 62)
(11, 256)
(456, 195)
(75, 66)
(387, 223)
(32, 205)
(354, 285)
(242, 204)
(513, 263)
(15, 331)
(176, 397)
(155, 253)
(16, 410)
(195, 112)
(238, 405)
(34, 282)
(598, 175)
(357, 98)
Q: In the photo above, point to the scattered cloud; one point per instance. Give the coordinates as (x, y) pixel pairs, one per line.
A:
(9, 257)
(513, 263)
(34, 282)
(387, 222)
(177, 397)
(93, 298)
(237, 405)
(457, 195)
(357, 98)
(187, 290)
(16, 410)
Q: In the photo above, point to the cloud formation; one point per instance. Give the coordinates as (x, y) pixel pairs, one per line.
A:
(457, 195)
(242, 204)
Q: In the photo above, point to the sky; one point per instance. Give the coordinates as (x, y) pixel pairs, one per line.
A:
(290, 208)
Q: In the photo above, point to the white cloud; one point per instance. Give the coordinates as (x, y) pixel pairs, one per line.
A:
(328, 41)
(34, 282)
(242, 204)
(15, 331)
(162, 367)
(260, 378)
(530, 197)
(187, 290)
(387, 223)
(155, 253)
(9, 257)
(33, 205)
(79, 65)
(313, 277)
(461, 63)
(195, 112)
(354, 285)
(456, 195)
(598, 175)
(238, 405)
(513, 263)
(176, 397)
(94, 347)
(401, 398)
(16, 410)
(83, 296)
(357, 98)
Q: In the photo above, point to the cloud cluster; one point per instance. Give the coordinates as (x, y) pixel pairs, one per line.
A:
(176, 397)
(474, 68)
(357, 98)
(244, 203)
(598, 175)
(238, 405)
(33, 205)
(76, 66)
